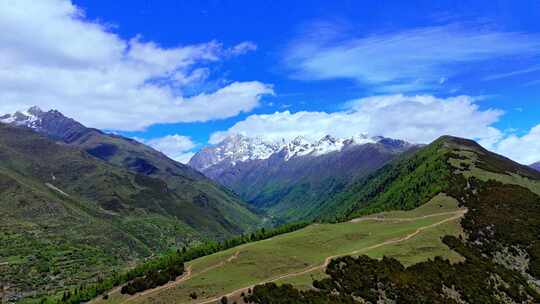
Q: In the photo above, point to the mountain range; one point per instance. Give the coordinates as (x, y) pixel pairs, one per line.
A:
(449, 222)
(205, 205)
(293, 180)
(536, 166)
(77, 202)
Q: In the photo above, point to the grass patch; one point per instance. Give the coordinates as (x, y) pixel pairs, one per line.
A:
(257, 262)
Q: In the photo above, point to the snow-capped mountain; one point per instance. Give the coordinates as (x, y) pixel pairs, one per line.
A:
(233, 149)
(291, 179)
(30, 118)
(190, 197)
(300, 146)
(51, 123)
(239, 148)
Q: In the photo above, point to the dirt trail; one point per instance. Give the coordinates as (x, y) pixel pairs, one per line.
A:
(457, 215)
(402, 219)
(188, 275)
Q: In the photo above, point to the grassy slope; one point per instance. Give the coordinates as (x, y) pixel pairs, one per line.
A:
(260, 261)
(68, 217)
(203, 204)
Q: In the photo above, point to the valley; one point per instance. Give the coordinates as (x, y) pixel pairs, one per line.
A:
(293, 180)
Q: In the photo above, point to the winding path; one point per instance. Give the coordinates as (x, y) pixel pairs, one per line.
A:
(457, 214)
(189, 273)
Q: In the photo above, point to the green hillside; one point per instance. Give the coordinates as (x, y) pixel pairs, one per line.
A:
(204, 205)
(500, 246)
(199, 202)
(296, 256)
(470, 235)
(414, 179)
(69, 218)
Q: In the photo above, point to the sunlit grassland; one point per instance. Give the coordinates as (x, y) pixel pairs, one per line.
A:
(424, 246)
(266, 260)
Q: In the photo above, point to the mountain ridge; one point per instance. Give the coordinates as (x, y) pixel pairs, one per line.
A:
(291, 179)
(71, 193)
(414, 178)
(240, 148)
(217, 209)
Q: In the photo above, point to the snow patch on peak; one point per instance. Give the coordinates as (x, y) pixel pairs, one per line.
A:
(240, 148)
(233, 149)
(30, 118)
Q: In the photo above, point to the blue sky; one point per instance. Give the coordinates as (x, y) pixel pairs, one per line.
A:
(178, 74)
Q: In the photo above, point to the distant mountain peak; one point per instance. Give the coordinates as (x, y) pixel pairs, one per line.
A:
(35, 110)
(536, 166)
(52, 123)
(240, 148)
(30, 118)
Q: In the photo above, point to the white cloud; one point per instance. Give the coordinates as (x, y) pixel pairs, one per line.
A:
(411, 60)
(177, 147)
(524, 149)
(53, 57)
(243, 48)
(418, 119)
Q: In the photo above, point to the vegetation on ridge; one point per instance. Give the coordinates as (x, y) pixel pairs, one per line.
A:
(404, 184)
(502, 226)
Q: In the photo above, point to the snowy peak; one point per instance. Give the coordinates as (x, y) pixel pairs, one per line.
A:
(51, 123)
(234, 149)
(325, 145)
(242, 148)
(239, 148)
(30, 118)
